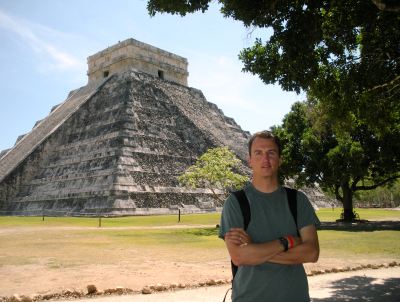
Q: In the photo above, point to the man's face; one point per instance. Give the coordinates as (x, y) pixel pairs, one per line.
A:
(264, 159)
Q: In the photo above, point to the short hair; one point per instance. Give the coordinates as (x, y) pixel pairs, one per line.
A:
(265, 134)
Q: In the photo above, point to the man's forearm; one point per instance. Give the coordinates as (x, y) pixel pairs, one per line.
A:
(303, 253)
(244, 252)
(306, 251)
(255, 253)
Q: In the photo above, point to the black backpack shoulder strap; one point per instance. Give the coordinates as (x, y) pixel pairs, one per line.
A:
(244, 206)
(245, 209)
(292, 200)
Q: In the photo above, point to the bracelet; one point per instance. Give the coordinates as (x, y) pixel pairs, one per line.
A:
(291, 241)
(284, 242)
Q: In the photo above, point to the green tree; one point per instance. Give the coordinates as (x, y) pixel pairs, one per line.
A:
(345, 55)
(214, 170)
(385, 196)
(343, 162)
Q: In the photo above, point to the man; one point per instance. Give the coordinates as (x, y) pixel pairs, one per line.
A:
(269, 253)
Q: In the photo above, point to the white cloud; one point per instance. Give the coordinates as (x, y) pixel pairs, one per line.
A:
(30, 34)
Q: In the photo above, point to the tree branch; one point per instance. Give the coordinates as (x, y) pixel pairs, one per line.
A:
(217, 196)
(388, 6)
(354, 184)
(366, 188)
(386, 84)
(338, 197)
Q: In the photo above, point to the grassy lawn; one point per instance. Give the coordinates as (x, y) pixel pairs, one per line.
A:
(61, 248)
(353, 245)
(368, 214)
(85, 242)
(131, 221)
(171, 220)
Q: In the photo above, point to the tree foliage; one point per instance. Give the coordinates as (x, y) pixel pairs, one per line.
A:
(385, 196)
(214, 170)
(345, 55)
(343, 162)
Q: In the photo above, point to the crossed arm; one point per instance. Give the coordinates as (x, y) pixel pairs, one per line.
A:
(244, 252)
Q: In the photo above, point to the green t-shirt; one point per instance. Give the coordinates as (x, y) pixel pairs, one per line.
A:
(270, 219)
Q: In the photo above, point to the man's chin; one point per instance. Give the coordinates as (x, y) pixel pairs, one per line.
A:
(267, 175)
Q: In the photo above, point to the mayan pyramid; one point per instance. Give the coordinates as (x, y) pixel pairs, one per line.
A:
(116, 145)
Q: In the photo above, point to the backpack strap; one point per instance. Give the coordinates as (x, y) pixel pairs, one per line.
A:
(292, 200)
(245, 209)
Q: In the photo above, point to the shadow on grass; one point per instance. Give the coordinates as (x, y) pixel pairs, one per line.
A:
(360, 288)
(202, 232)
(361, 226)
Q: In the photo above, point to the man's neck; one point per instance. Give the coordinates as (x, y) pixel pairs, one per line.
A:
(266, 185)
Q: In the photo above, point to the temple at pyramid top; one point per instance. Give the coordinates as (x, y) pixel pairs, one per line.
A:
(117, 145)
(133, 54)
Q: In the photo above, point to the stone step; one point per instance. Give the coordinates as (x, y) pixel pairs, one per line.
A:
(46, 127)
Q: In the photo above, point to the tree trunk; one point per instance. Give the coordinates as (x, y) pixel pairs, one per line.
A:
(217, 197)
(348, 214)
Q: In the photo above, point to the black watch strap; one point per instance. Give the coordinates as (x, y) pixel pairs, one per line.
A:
(285, 243)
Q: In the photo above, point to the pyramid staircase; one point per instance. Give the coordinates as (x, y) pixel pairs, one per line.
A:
(116, 148)
(25, 146)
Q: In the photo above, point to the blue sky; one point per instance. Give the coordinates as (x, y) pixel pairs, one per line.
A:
(45, 44)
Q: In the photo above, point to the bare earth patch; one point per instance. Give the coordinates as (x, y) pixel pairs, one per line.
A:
(30, 279)
(135, 269)
(40, 279)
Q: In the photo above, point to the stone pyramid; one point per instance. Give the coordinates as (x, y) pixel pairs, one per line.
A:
(116, 145)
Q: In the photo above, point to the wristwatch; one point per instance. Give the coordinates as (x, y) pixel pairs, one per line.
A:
(285, 243)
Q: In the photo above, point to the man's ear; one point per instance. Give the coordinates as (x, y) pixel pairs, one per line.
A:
(248, 161)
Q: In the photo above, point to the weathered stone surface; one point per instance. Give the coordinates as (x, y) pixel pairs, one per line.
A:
(130, 54)
(27, 143)
(316, 196)
(117, 145)
(146, 291)
(121, 151)
(91, 289)
(3, 152)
